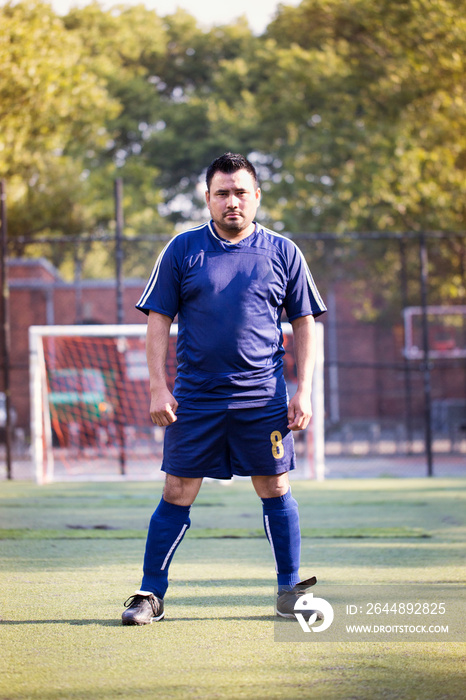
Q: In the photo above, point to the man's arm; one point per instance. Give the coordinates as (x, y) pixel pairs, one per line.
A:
(163, 404)
(299, 408)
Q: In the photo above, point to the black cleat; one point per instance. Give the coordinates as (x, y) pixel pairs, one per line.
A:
(142, 609)
(286, 601)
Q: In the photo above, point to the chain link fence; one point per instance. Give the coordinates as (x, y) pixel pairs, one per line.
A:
(395, 380)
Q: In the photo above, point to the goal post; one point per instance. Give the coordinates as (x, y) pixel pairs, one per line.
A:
(446, 332)
(89, 396)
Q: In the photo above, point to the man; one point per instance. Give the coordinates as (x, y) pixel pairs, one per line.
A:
(228, 281)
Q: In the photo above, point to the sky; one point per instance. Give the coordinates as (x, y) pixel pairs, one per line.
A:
(207, 12)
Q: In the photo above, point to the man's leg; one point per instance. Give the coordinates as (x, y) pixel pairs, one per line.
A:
(167, 528)
(281, 523)
(262, 447)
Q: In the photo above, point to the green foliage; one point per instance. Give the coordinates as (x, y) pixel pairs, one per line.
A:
(370, 132)
(353, 111)
(50, 102)
(54, 108)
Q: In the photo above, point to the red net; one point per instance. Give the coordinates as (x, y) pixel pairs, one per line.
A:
(98, 399)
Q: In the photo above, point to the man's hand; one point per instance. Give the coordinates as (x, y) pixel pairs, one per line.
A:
(163, 406)
(299, 411)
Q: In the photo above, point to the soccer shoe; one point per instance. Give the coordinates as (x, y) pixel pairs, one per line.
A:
(287, 600)
(142, 608)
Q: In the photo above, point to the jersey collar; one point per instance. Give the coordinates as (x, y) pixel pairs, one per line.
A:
(228, 244)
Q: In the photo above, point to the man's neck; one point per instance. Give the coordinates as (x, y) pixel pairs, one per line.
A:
(235, 236)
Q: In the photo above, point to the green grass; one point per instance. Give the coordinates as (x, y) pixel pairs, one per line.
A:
(71, 554)
(102, 532)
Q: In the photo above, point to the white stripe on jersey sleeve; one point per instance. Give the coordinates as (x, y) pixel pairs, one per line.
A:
(155, 272)
(153, 278)
(310, 279)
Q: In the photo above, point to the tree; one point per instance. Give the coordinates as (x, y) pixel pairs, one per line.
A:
(53, 109)
(373, 109)
(353, 112)
(363, 113)
(168, 77)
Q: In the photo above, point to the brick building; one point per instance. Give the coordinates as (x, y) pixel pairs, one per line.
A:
(40, 297)
(366, 378)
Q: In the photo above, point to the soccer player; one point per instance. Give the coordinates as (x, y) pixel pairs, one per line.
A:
(228, 282)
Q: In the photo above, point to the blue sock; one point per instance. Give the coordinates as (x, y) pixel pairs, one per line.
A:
(166, 530)
(281, 524)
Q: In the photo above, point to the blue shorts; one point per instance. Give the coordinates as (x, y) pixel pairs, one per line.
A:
(226, 442)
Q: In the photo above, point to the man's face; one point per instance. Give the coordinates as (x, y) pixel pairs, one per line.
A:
(233, 200)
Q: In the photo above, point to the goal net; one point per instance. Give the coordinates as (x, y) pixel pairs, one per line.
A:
(446, 332)
(89, 393)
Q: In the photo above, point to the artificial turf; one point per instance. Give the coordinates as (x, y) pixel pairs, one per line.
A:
(70, 554)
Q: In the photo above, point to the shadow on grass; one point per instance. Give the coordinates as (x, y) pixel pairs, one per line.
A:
(117, 621)
(103, 623)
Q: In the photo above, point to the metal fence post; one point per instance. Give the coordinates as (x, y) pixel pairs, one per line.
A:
(6, 329)
(120, 311)
(424, 272)
(119, 248)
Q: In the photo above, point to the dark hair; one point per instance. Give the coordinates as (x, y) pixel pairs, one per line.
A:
(230, 163)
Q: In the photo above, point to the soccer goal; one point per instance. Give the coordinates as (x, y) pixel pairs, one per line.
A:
(446, 332)
(89, 393)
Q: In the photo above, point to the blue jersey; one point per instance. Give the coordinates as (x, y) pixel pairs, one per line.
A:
(229, 300)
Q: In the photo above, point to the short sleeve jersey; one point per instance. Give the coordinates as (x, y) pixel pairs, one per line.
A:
(229, 300)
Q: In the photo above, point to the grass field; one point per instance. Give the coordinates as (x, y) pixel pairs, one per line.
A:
(71, 554)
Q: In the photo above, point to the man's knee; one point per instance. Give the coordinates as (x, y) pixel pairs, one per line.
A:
(180, 490)
(271, 486)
